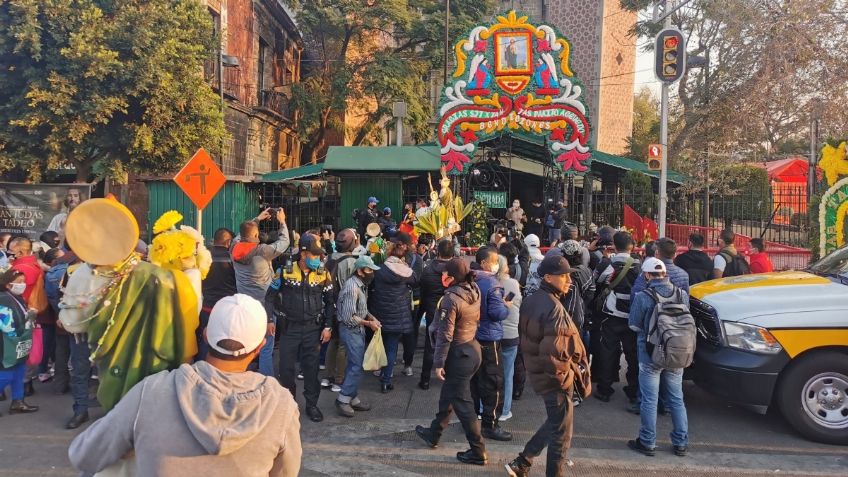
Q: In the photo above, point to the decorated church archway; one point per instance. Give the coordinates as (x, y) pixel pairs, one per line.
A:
(512, 75)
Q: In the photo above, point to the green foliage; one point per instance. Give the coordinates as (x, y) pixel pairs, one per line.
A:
(742, 183)
(639, 192)
(105, 86)
(646, 125)
(363, 56)
(477, 224)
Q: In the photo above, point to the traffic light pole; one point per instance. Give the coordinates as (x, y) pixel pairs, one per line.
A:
(664, 141)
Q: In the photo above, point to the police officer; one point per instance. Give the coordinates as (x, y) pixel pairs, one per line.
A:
(456, 359)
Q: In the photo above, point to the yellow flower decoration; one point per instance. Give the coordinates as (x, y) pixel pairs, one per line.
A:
(834, 162)
(167, 221)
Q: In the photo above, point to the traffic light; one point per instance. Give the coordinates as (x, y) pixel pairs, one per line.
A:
(655, 157)
(670, 55)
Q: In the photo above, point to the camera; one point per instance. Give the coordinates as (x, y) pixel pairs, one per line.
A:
(326, 228)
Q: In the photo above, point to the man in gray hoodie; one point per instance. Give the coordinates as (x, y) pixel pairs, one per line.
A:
(210, 418)
(252, 262)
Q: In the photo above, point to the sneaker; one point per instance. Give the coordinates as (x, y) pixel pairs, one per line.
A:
(44, 377)
(519, 467)
(322, 367)
(407, 371)
(427, 436)
(335, 388)
(680, 451)
(576, 400)
(505, 417)
(496, 434)
(378, 373)
(641, 448)
(345, 409)
(300, 376)
(325, 383)
(469, 457)
(634, 407)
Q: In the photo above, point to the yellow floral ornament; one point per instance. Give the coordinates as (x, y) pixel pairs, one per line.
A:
(179, 249)
(167, 221)
(834, 162)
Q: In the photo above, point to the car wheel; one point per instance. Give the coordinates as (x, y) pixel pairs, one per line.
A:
(813, 397)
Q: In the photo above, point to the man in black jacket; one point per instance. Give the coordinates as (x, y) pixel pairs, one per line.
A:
(304, 307)
(432, 291)
(367, 216)
(695, 261)
(219, 282)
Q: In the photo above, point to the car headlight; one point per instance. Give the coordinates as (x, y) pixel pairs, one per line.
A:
(750, 338)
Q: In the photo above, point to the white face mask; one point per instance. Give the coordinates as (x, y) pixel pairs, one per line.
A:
(17, 288)
(495, 268)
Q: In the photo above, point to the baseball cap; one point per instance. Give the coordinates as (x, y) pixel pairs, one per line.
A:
(570, 247)
(346, 240)
(531, 240)
(554, 265)
(308, 243)
(237, 318)
(458, 269)
(387, 210)
(373, 200)
(653, 265)
(364, 261)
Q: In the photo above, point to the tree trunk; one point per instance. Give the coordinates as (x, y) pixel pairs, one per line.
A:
(83, 170)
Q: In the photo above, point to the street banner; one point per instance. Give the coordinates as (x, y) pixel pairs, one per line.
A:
(32, 209)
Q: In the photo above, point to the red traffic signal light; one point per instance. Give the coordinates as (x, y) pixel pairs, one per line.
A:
(670, 57)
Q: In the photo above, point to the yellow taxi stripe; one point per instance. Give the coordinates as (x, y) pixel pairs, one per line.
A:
(701, 290)
(796, 342)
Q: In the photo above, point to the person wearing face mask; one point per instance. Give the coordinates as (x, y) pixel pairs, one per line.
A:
(390, 300)
(353, 317)
(550, 342)
(457, 359)
(487, 385)
(304, 308)
(16, 341)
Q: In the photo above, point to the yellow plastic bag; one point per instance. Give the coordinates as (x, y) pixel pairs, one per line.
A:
(375, 355)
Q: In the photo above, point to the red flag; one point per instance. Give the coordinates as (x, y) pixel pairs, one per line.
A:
(650, 229)
(633, 221)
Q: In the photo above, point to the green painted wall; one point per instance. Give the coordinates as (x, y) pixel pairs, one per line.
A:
(231, 206)
(355, 191)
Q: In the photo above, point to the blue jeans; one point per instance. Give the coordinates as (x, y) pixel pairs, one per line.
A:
(266, 357)
(354, 342)
(390, 343)
(508, 354)
(672, 391)
(14, 377)
(80, 373)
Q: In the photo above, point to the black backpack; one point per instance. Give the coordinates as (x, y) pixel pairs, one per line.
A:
(736, 265)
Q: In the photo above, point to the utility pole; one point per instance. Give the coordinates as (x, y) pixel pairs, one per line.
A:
(447, 39)
(814, 133)
(664, 141)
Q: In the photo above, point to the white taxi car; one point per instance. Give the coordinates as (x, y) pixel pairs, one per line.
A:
(779, 339)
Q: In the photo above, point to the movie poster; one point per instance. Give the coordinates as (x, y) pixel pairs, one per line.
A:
(33, 209)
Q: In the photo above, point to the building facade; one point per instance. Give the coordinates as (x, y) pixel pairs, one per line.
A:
(260, 60)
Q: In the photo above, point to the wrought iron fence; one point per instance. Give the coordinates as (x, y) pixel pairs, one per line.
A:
(308, 204)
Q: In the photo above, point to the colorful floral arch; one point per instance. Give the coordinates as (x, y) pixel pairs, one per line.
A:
(833, 214)
(516, 76)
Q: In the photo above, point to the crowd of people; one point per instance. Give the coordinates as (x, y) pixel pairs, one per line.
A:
(561, 317)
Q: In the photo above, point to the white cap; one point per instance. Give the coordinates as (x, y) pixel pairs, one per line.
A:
(238, 318)
(531, 240)
(653, 265)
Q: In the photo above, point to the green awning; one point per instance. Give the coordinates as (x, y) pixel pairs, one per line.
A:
(631, 165)
(308, 170)
(383, 159)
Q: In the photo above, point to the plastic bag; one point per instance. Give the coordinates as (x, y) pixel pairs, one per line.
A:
(37, 350)
(375, 355)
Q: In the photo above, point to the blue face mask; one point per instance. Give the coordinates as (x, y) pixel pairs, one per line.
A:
(313, 263)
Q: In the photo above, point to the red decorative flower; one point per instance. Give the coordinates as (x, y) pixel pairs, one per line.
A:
(558, 134)
(468, 136)
(543, 45)
(454, 160)
(573, 160)
(480, 46)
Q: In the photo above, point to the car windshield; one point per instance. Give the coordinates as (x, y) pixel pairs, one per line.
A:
(835, 264)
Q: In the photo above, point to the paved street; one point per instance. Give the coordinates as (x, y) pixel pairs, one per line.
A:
(724, 440)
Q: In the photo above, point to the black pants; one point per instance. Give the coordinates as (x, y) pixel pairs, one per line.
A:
(462, 362)
(427, 362)
(410, 340)
(555, 433)
(617, 337)
(520, 375)
(301, 339)
(488, 383)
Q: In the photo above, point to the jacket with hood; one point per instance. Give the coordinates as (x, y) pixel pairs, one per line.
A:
(252, 264)
(697, 264)
(493, 309)
(549, 341)
(760, 263)
(533, 278)
(431, 286)
(390, 298)
(456, 320)
(197, 420)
